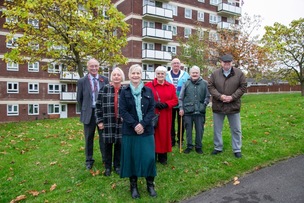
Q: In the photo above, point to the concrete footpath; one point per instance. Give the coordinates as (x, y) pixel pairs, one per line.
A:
(282, 182)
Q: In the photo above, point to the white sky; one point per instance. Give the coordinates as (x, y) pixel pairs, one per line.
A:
(273, 11)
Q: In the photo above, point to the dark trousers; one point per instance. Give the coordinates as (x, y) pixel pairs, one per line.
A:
(89, 133)
(175, 114)
(109, 155)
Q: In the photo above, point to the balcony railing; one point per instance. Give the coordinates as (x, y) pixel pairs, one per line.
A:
(228, 10)
(69, 75)
(148, 75)
(157, 12)
(156, 55)
(157, 33)
(68, 96)
(226, 25)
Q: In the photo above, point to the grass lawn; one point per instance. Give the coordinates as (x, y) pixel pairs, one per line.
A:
(43, 161)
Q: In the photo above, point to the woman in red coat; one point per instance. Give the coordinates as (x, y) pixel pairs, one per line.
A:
(165, 97)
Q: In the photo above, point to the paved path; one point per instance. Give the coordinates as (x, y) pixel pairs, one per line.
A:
(281, 183)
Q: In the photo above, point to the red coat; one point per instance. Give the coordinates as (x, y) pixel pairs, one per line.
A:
(162, 134)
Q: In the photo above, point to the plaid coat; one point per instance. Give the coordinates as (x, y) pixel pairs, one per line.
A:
(105, 113)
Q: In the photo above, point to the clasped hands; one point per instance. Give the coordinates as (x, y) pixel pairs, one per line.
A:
(161, 105)
(139, 129)
(226, 99)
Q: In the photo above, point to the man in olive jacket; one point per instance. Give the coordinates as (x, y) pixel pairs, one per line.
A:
(226, 86)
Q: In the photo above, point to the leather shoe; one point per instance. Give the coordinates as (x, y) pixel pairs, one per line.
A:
(199, 150)
(117, 170)
(187, 151)
(215, 152)
(107, 172)
(238, 154)
(89, 166)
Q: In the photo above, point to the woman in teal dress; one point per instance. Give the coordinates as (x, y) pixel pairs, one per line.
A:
(136, 107)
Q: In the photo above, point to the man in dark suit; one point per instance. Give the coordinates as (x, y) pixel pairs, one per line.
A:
(87, 91)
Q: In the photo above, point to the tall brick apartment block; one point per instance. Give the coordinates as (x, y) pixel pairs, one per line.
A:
(27, 92)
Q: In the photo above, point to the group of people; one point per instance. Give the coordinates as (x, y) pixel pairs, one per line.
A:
(123, 115)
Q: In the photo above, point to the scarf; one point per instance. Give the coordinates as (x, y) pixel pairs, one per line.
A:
(136, 92)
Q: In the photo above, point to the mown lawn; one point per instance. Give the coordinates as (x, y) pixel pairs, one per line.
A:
(43, 161)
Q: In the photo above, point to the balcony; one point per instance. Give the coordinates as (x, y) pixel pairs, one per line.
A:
(68, 97)
(156, 56)
(226, 25)
(156, 35)
(157, 13)
(69, 76)
(228, 10)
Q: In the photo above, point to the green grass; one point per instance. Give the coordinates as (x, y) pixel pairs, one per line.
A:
(36, 155)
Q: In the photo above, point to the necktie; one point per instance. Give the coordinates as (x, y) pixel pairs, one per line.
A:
(95, 88)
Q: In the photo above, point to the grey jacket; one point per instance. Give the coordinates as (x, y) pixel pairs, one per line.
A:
(84, 96)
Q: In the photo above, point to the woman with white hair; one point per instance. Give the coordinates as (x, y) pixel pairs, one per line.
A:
(165, 97)
(108, 120)
(136, 107)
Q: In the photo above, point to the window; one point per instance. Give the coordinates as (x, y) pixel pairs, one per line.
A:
(214, 19)
(200, 16)
(12, 43)
(148, 46)
(78, 111)
(148, 67)
(148, 24)
(169, 48)
(149, 2)
(188, 13)
(33, 45)
(33, 88)
(33, 109)
(54, 68)
(12, 109)
(203, 1)
(214, 2)
(33, 22)
(187, 32)
(11, 66)
(54, 89)
(170, 28)
(171, 7)
(53, 109)
(12, 87)
(33, 67)
(10, 20)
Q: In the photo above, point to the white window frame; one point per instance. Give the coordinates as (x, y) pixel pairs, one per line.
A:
(12, 109)
(148, 46)
(54, 88)
(187, 32)
(53, 108)
(214, 19)
(148, 24)
(12, 66)
(202, 1)
(33, 88)
(200, 16)
(214, 2)
(169, 48)
(188, 13)
(171, 7)
(12, 43)
(172, 28)
(54, 68)
(33, 109)
(12, 87)
(33, 22)
(10, 20)
(33, 67)
(148, 67)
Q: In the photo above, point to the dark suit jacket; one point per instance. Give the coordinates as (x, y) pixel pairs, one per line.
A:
(84, 96)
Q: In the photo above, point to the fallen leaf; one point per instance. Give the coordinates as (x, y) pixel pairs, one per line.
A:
(53, 187)
(19, 198)
(113, 186)
(53, 163)
(236, 182)
(34, 193)
(254, 142)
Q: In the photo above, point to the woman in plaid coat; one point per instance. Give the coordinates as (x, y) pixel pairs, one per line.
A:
(108, 119)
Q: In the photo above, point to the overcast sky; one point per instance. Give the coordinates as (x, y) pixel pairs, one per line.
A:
(273, 11)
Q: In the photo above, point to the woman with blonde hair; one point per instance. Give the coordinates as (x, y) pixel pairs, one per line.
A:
(136, 107)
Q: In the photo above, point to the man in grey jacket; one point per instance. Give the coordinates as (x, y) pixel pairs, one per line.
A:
(87, 91)
(226, 86)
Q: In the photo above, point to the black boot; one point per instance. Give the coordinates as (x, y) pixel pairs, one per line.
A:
(133, 187)
(150, 186)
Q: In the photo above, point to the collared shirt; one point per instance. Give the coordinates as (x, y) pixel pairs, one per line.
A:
(95, 89)
(226, 73)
